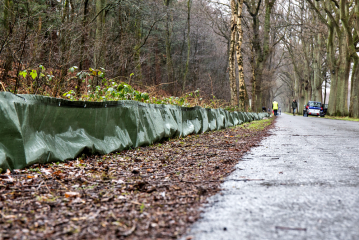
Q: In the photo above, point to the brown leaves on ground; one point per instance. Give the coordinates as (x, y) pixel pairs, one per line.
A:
(151, 192)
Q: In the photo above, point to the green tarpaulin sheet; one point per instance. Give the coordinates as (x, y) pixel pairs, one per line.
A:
(38, 129)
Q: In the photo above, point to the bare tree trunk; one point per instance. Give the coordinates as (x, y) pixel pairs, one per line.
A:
(242, 85)
(332, 67)
(157, 64)
(189, 3)
(343, 78)
(99, 54)
(63, 48)
(138, 23)
(308, 76)
(169, 62)
(232, 72)
(317, 83)
(82, 49)
(261, 49)
(7, 22)
(253, 80)
(354, 95)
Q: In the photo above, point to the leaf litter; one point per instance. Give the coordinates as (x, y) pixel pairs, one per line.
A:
(152, 192)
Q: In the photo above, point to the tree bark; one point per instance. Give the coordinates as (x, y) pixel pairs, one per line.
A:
(7, 22)
(354, 95)
(189, 3)
(242, 85)
(262, 50)
(231, 59)
(169, 62)
(253, 79)
(99, 56)
(138, 23)
(82, 48)
(317, 82)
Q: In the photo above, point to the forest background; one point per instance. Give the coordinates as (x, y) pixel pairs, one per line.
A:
(242, 54)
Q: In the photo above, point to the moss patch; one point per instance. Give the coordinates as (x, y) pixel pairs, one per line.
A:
(258, 125)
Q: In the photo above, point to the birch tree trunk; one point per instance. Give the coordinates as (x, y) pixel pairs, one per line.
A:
(242, 85)
(232, 72)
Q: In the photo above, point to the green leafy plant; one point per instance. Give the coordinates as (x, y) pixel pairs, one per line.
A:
(110, 90)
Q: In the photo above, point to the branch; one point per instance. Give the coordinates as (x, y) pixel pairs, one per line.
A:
(103, 9)
(278, 41)
(258, 6)
(149, 32)
(220, 3)
(3, 86)
(249, 8)
(318, 12)
(336, 3)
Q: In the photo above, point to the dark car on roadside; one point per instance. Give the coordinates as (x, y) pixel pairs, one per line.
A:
(313, 108)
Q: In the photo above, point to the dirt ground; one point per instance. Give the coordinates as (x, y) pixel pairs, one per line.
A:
(152, 192)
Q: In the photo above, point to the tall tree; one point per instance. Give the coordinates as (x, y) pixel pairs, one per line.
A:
(231, 58)
(338, 22)
(243, 98)
(189, 4)
(261, 46)
(169, 61)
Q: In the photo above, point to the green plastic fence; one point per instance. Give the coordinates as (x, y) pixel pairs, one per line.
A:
(38, 129)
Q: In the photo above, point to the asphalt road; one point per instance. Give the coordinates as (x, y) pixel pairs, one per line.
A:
(310, 186)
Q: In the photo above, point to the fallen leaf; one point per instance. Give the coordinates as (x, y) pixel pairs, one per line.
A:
(78, 200)
(47, 171)
(72, 194)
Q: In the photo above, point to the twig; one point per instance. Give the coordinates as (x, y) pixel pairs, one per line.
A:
(3, 86)
(211, 83)
(289, 228)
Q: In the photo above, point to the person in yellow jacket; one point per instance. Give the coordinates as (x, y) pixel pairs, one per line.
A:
(275, 107)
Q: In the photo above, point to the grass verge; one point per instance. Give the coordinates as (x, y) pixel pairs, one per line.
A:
(343, 118)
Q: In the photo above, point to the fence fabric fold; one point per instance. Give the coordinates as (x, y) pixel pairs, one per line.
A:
(38, 129)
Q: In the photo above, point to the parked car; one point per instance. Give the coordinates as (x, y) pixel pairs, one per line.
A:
(313, 108)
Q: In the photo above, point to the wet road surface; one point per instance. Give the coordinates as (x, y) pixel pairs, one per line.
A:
(310, 186)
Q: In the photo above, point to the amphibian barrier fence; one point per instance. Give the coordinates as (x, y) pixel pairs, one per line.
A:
(38, 129)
